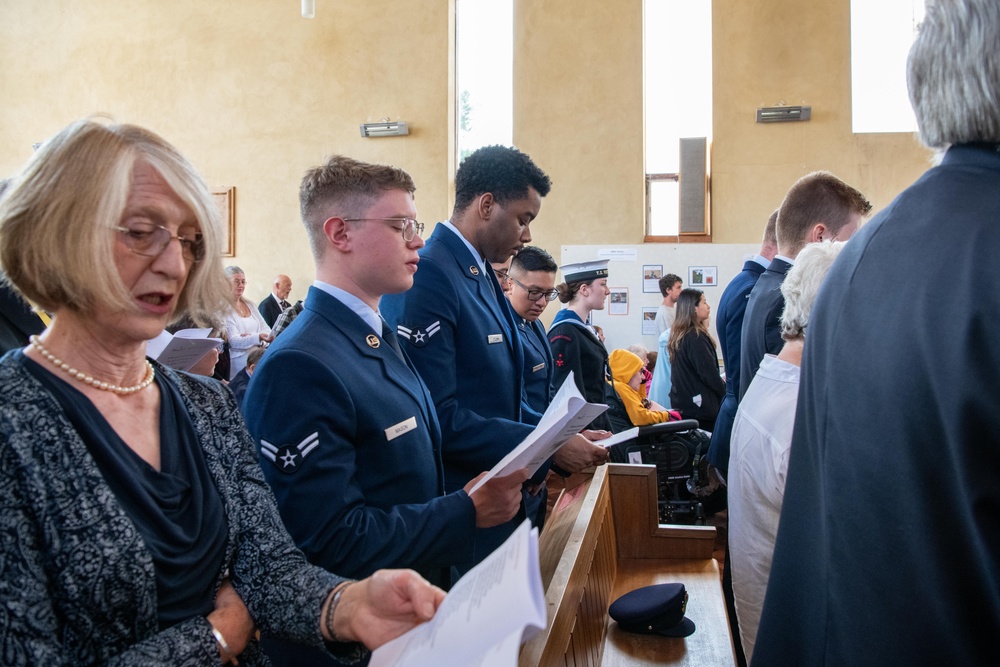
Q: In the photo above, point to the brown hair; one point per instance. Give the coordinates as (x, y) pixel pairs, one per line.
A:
(348, 187)
(816, 197)
(686, 320)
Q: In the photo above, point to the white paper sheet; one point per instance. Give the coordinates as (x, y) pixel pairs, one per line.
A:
(486, 616)
(183, 349)
(567, 415)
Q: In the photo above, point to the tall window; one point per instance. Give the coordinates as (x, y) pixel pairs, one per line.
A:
(677, 80)
(882, 32)
(485, 73)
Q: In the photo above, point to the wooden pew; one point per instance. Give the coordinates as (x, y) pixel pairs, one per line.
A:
(602, 540)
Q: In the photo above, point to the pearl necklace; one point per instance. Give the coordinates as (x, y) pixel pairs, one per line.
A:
(87, 379)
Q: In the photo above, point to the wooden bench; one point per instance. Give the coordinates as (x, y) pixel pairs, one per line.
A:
(602, 540)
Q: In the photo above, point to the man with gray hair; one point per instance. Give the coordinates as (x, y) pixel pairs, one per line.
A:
(888, 551)
(761, 439)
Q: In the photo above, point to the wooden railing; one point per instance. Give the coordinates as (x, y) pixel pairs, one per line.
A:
(603, 540)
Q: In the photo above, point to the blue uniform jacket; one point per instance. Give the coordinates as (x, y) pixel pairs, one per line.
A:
(349, 442)
(729, 325)
(537, 365)
(460, 332)
(762, 322)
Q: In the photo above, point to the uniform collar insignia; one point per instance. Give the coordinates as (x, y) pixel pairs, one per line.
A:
(373, 341)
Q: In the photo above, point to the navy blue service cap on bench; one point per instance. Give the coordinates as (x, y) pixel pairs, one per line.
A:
(654, 610)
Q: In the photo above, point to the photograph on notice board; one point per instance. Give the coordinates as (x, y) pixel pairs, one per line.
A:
(703, 276)
(649, 321)
(651, 274)
(618, 301)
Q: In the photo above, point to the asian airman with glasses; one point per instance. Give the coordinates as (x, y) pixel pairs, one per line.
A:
(531, 287)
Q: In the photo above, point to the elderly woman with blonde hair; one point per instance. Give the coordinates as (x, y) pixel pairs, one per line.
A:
(135, 523)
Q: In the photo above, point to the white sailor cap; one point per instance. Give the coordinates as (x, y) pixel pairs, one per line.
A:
(584, 271)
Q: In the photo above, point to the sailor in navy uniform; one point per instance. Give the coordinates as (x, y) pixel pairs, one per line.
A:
(575, 345)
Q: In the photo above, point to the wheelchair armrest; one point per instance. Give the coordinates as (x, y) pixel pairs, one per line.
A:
(668, 427)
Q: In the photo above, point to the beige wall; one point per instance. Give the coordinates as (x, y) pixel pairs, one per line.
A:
(766, 51)
(255, 94)
(251, 92)
(578, 111)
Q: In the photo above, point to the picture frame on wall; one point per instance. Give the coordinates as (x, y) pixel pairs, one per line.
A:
(618, 301)
(651, 274)
(649, 321)
(225, 199)
(703, 276)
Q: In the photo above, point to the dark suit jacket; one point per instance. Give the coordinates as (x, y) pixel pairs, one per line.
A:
(890, 526)
(370, 494)
(537, 365)
(762, 322)
(17, 320)
(269, 309)
(729, 326)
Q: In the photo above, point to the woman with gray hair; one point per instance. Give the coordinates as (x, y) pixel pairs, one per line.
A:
(245, 327)
(136, 527)
(761, 441)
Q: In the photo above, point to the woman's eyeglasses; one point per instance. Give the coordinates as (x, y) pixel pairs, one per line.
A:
(149, 240)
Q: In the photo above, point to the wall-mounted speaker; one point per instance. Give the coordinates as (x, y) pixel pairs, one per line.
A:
(695, 193)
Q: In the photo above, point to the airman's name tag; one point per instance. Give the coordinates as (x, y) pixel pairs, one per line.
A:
(399, 429)
(494, 338)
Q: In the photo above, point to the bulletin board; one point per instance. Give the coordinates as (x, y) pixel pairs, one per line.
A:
(631, 271)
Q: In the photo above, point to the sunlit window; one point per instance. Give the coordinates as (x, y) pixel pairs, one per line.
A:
(485, 73)
(677, 50)
(882, 32)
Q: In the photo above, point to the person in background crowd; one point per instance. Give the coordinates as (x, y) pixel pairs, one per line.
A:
(670, 287)
(238, 385)
(245, 328)
(729, 325)
(696, 386)
(277, 301)
(626, 369)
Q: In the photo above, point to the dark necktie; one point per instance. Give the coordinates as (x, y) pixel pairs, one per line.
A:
(285, 304)
(389, 336)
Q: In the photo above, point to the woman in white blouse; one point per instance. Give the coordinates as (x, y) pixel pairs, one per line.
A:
(245, 328)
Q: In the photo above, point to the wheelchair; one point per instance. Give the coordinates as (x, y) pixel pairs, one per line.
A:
(689, 489)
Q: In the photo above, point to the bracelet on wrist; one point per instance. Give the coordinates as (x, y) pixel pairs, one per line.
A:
(227, 653)
(332, 609)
